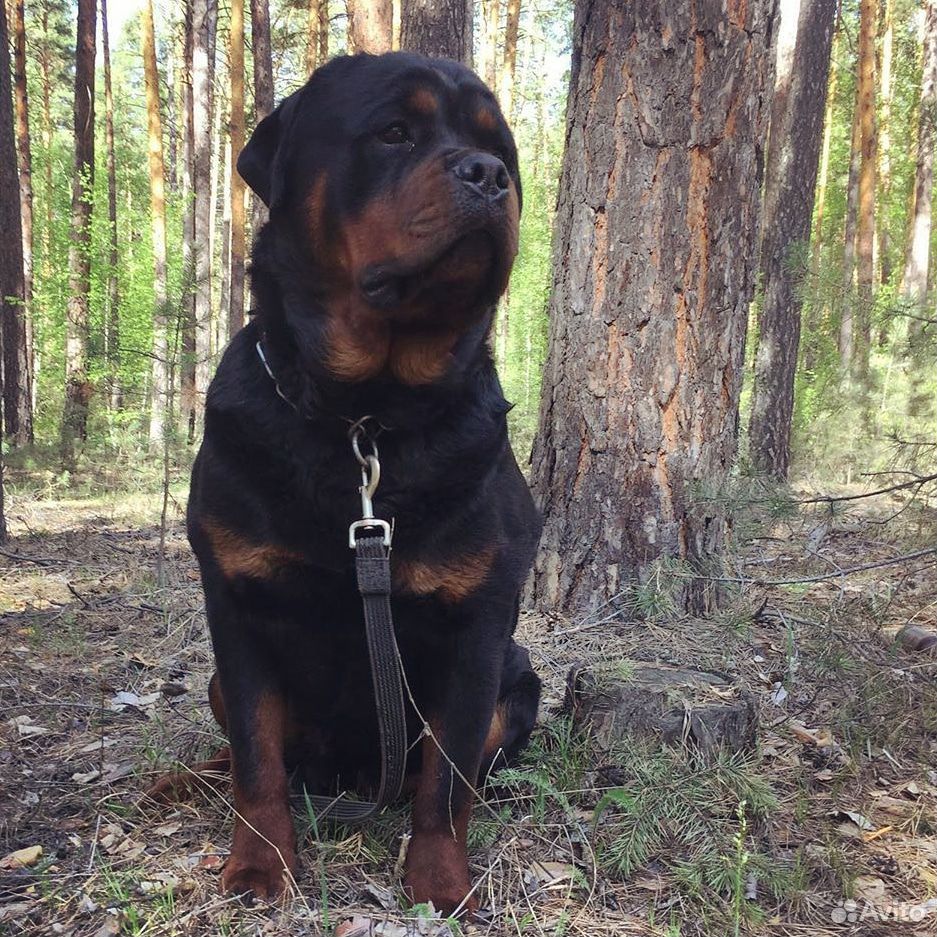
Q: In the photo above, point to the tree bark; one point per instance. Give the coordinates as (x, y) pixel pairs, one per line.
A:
(112, 289)
(77, 386)
(370, 25)
(188, 399)
(823, 180)
(45, 72)
(805, 40)
(491, 25)
(204, 19)
(317, 35)
(437, 28)
(653, 276)
(263, 88)
(509, 62)
(12, 279)
(847, 319)
(159, 382)
(17, 339)
(917, 261)
(865, 233)
(884, 142)
(237, 188)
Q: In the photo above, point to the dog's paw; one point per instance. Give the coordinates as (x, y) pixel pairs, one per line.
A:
(437, 871)
(254, 878)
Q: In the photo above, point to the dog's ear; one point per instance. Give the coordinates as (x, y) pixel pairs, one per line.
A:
(261, 163)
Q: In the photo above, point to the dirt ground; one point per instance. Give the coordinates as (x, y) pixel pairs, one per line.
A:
(828, 828)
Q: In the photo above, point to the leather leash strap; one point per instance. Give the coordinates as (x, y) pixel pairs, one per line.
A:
(370, 537)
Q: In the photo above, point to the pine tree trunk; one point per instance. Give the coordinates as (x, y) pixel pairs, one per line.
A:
(491, 24)
(823, 180)
(12, 279)
(865, 233)
(312, 36)
(438, 28)
(884, 142)
(263, 88)
(323, 31)
(917, 261)
(159, 383)
(112, 290)
(17, 338)
(204, 18)
(224, 298)
(45, 72)
(653, 276)
(804, 43)
(237, 188)
(509, 62)
(846, 322)
(77, 386)
(370, 25)
(188, 401)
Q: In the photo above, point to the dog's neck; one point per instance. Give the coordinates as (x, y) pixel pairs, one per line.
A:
(293, 325)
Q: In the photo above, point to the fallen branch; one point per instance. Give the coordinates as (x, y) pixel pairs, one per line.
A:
(824, 577)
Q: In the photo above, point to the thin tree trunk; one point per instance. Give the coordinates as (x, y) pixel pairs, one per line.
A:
(237, 188)
(509, 62)
(917, 261)
(188, 394)
(370, 25)
(112, 290)
(653, 276)
(45, 71)
(12, 279)
(221, 207)
(865, 233)
(491, 24)
(884, 142)
(224, 301)
(804, 42)
(159, 381)
(204, 18)
(824, 176)
(846, 323)
(438, 28)
(77, 386)
(17, 337)
(312, 36)
(263, 89)
(323, 31)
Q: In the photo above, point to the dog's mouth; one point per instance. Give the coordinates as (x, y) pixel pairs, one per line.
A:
(466, 265)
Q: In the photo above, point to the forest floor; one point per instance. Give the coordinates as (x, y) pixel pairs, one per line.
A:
(830, 828)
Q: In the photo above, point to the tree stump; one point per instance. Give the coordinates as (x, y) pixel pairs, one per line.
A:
(674, 704)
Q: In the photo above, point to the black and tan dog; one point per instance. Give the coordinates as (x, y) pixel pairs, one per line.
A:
(394, 198)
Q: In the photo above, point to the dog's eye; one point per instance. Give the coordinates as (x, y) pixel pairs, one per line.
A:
(395, 134)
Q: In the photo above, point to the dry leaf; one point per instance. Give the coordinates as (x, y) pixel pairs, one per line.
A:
(549, 873)
(869, 888)
(86, 777)
(22, 858)
(357, 927)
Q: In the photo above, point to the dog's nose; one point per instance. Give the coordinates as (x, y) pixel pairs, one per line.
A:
(485, 174)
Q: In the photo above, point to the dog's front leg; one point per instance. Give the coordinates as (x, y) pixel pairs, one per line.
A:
(263, 854)
(437, 865)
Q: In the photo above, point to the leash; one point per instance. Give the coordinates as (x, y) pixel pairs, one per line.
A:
(370, 538)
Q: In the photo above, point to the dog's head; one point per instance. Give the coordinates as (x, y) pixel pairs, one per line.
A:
(396, 177)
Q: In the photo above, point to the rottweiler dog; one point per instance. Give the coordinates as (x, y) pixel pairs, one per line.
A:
(394, 197)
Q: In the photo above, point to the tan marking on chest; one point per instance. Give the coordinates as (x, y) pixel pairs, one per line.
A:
(450, 580)
(237, 556)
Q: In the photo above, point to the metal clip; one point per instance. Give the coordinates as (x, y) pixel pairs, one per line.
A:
(370, 477)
